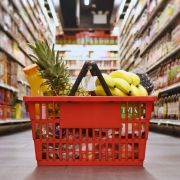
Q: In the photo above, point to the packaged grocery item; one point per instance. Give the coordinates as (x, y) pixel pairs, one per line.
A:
(165, 108)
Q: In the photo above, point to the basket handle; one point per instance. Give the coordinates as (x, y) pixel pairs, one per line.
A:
(93, 68)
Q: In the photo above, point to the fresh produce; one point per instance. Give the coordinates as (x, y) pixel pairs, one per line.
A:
(121, 74)
(135, 80)
(99, 91)
(123, 85)
(128, 83)
(53, 70)
(142, 91)
(134, 91)
(145, 80)
(108, 79)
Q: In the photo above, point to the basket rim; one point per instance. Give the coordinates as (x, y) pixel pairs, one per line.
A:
(90, 98)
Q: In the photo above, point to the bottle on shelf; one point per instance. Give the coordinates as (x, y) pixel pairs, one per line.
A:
(165, 108)
(168, 106)
(172, 73)
(176, 106)
(168, 74)
(160, 108)
(178, 113)
(159, 77)
(165, 76)
(173, 115)
(155, 110)
(178, 71)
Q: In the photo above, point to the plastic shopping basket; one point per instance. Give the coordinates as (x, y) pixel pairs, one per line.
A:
(90, 130)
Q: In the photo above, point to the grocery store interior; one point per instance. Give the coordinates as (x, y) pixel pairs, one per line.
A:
(93, 138)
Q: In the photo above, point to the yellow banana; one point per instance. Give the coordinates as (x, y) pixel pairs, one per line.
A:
(134, 90)
(123, 85)
(108, 79)
(99, 91)
(121, 74)
(142, 91)
(134, 78)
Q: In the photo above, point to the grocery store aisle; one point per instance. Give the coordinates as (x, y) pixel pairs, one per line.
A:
(17, 162)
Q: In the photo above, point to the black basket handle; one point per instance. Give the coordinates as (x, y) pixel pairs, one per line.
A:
(93, 68)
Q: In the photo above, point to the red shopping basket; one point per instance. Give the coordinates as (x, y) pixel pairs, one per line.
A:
(91, 130)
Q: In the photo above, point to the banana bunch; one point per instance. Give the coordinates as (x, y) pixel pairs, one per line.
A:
(121, 83)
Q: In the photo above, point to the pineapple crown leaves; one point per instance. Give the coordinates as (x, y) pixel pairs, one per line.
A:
(51, 68)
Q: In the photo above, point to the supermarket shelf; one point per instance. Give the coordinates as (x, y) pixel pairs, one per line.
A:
(23, 82)
(77, 47)
(164, 29)
(21, 48)
(14, 125)
(163, 59)
(11, 56)
(14, 4)
(11, 88)
(126, 67)
(90, 59)
(10, 34)
(32, 10)
(160, 6)
(129, 27)
(167, 122)
(32, 21)
(123, 53)
(10, 14)
(141, 12)
(126, 41)
(171, 87)
(13, 121)
(42, 11)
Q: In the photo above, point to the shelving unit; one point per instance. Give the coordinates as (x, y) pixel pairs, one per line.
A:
(132, 55)
(25, 17)
(78, 60)
(170, 88)
(163, 59)
(161, 32)
(167, 122)
(159, 7)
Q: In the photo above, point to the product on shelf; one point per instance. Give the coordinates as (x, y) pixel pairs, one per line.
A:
(88, 38)
(7, 104)
(168, 74)
(167, 106)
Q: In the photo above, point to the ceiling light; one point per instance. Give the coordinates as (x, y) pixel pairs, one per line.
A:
(93, 5)
(86, 2)
(51, 6)
(77, 12)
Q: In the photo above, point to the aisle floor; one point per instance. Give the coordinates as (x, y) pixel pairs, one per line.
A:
(17, 162)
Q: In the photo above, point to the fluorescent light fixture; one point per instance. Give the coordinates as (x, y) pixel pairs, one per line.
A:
(77, 12)
(86, 2)
(53, 12)
(122, 7)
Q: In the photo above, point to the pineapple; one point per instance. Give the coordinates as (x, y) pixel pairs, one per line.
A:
(54, 70)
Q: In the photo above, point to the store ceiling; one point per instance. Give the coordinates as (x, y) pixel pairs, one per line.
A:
(98, 15)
